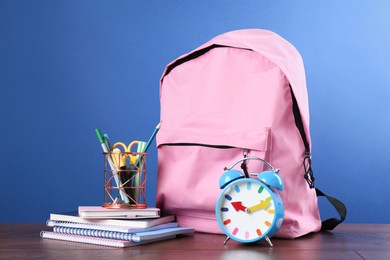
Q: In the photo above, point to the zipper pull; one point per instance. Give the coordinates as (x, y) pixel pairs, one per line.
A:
(243, 164)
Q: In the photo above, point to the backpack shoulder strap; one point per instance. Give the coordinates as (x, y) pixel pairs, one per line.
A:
(331, 223)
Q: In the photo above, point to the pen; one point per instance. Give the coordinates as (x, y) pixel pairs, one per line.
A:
(112, 166)
(107, 141)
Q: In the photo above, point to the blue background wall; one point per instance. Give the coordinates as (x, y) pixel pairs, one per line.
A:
(68, 67)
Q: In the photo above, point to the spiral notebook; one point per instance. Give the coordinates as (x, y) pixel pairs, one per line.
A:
(94, 240)
(114, 239)
(124, 229)
(139, 236)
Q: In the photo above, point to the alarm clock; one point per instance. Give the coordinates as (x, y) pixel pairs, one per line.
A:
(250, 209)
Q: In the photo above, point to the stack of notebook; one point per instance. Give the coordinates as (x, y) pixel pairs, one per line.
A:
(113, 227)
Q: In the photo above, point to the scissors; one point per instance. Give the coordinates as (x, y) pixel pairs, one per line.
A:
(134, 161)
(129, 149)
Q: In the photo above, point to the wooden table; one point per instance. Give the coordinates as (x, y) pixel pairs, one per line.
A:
(349, 241)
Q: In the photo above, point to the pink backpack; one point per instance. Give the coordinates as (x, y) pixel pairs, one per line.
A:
(243, 93)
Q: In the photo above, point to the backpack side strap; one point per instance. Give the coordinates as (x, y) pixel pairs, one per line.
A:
(331, 223)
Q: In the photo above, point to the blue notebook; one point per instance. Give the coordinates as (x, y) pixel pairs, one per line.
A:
(141, 236)
(124, 229)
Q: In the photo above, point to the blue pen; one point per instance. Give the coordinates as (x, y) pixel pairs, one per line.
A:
(107, 141)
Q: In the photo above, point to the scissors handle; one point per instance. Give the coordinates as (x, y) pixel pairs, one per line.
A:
(135, 142)
(133, 158)
(127, 149)
(124, 146)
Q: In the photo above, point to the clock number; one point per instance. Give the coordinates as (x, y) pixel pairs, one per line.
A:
(228, 221)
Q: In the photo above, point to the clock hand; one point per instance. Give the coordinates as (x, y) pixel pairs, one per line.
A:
(262, 205)
(237, 205)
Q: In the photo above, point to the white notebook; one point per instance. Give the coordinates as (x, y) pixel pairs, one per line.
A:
(95, 240)
(131, 223)
(125, 213)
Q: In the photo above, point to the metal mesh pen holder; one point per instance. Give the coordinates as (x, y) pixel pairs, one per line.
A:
(125, 180)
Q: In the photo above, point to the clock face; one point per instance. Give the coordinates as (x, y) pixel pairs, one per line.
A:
(246, 210)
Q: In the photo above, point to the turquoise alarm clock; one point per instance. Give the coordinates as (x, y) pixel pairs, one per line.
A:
(250, 209)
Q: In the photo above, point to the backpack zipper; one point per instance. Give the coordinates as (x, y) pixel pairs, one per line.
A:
(204, 145)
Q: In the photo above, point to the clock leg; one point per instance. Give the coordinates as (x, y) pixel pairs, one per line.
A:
(227, 239)
(268, 240)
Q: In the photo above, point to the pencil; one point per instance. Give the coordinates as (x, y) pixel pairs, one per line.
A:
(152, 137)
